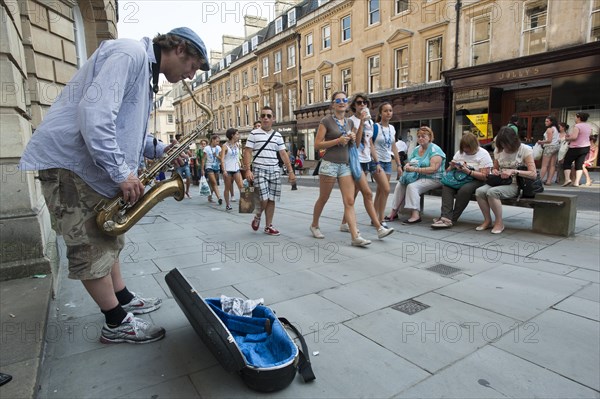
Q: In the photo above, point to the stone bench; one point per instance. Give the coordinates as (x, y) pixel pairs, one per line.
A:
(553, 214)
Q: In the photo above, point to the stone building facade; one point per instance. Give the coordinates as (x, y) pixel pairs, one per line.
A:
(42, 43)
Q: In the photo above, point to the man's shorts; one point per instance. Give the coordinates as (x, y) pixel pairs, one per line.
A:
(184, 171)
(268, 183)
(71, 203)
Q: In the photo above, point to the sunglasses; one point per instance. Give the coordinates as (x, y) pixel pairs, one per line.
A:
(361, 102)
(340, 100)
(269, 116)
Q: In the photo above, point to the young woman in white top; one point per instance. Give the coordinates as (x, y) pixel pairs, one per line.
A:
(363, 127)
(230, 164)
(551, 145)
(210, 166)
(384, 145)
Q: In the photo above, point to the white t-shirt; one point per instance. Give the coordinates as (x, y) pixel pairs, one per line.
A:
(401, 146)
(481, 159)
(212, 157)
(386, 136)
(364, 148)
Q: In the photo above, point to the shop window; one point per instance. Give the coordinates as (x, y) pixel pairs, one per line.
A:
(374, 16)
(595, 23)
(346, 80)
(401, 67)
(534, 28)
(480, 41)
(374, 74)
(434, 59)
(326, 87)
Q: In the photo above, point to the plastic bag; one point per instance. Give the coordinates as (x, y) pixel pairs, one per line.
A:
(204, 189)
(538, 151)
(562, 150)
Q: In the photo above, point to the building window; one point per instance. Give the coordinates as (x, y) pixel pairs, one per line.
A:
(229, 119)
(265, 67)
(80, 47)
(247, 114)
(254, 75)
(291, 17)
(401, 67)
(228, 87)
(222, 120)
(238, 115)
(326, 34)
(245, 48)
(346, 80)
(595, 24)
(266, 100)
(278, 25)
(309, 44)
(221, 91)
(291, 103)
(534, 28)
(374, 70)
(236, 82)
(480, 41)
(326, 87)
(434, 59)
(254, 42)
(401, 6)
(279, 105)
(310, 91)
(170, 119)
(346, 28)
(277, 62)
(256, 111)
(245, 78)
(374, 16)
(291, 55)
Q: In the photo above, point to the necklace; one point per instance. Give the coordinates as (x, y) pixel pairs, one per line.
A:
(343, 128)
(387, 138)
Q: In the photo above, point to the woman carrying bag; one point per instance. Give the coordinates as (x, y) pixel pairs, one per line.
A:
(469, 169)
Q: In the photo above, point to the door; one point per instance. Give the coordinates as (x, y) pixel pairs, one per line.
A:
(532, 126)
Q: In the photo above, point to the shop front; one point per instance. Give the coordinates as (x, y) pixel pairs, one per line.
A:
(558, 83)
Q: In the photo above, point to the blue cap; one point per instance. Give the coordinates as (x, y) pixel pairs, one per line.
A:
(194, 39)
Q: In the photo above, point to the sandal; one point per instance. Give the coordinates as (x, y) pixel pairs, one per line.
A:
(393, 216)
(442, 223)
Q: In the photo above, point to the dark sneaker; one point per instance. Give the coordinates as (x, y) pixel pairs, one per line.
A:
(133, 330)
(255, 223)
(272, 231)
(228, 208)
(139, 305)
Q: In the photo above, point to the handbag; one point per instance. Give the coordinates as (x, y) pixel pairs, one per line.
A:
(528, 188)
(355, 167)
(456, 179)
(204, 189)
(496, 180)
(246, 203)
(409, 177)
(317, 167)
(538, 151)
(562, 150)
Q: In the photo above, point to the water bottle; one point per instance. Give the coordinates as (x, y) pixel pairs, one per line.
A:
(368, 113)
(245, 183)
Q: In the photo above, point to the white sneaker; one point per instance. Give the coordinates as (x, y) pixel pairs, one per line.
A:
(316, 232)
(233, 199)
(344, 228)
(382, 232)
(360, 242)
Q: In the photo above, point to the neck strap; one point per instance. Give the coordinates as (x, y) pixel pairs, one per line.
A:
(156, 67)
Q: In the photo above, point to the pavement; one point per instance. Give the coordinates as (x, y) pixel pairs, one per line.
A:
(423, 313)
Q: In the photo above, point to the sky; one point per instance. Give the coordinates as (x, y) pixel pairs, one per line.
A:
(209, 19)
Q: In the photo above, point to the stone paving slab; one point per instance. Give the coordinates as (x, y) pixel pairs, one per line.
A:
(564, 343)
(513, 291)
(493, 373)
(580, 307)
(435, 337)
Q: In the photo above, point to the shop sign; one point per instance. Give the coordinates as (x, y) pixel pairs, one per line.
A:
(481, 123)
(519, 73)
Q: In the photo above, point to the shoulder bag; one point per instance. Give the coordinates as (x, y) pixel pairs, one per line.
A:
(456, 179)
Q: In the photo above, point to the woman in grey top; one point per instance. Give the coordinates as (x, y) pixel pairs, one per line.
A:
(334, 135)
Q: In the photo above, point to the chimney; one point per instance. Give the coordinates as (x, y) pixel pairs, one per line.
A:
(282, 6)
(230, 43)
(253, 24)
(215, 57)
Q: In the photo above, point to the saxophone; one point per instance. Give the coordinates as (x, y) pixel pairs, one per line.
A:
(115, 217)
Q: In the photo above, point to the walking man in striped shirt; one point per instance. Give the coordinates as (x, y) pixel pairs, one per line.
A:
(261, 151)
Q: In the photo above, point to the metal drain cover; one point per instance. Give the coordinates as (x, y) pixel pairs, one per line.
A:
(410, 306)
(443, 270)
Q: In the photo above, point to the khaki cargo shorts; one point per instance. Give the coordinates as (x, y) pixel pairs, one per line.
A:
(71, 203)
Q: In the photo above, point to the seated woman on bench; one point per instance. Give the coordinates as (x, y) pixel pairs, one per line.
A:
(508, 156)
(471, 160)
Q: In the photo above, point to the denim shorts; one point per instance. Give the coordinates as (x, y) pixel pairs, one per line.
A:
(387, 167)
(368, 166)
(184, 171)
(334, 169)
